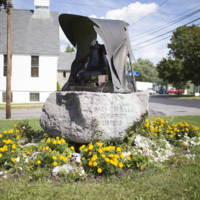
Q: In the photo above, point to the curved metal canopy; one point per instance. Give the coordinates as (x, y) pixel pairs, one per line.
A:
(82, 33)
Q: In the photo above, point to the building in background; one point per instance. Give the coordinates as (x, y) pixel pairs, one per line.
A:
(35, 51)
(64, 66)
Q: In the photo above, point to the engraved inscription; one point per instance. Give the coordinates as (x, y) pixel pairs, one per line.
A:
(112, 115)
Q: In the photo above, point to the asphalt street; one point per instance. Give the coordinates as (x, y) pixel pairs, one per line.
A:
(157, 106)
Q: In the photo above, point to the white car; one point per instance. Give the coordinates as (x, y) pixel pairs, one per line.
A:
(150, 91)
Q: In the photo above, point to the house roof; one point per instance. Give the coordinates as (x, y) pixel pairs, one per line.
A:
(65, 60)
(30, 35)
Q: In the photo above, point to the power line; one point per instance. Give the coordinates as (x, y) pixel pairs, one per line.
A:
(166, 32)
(139, 34)
(149, 13)
(157, 41)
(170, 24)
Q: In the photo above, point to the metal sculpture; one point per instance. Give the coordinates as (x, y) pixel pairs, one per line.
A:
(82, 33)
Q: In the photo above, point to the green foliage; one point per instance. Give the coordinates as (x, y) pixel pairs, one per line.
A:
(172, 71)
(184, 60)
(146, 69)
(69, 49)
(58, 86)
(4, 3)
(136, 162)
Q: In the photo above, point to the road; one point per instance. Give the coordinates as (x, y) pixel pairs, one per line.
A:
(157, 106)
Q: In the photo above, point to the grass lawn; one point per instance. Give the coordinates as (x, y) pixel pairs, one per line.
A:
(180, 180)
(189, 98)
(22, 106)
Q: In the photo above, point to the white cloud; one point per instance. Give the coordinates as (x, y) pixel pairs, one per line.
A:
(133, 12)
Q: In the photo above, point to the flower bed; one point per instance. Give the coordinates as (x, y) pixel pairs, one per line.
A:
(153, 142)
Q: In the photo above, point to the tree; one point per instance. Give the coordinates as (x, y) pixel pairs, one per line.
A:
(146, 69)
(4, 3)
(69, 49)
(184, 56)
(172, 71)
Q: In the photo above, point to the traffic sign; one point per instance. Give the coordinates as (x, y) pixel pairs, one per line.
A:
(136, 73)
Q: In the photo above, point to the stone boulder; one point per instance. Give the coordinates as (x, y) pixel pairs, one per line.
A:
(82, 116)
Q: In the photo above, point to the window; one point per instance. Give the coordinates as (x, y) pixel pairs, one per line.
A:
(34, 97)
(4, 97)
(5, 66)
(34, 66)
(64, 74)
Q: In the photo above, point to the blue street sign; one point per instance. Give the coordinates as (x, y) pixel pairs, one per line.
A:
(129, 72)
(136, 73)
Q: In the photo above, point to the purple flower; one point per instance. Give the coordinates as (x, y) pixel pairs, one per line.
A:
(42, 166)
(24, 127)
(70, 160)
(147, 153)
(31, 158)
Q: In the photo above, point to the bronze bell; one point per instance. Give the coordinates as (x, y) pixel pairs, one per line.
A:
(97, 62)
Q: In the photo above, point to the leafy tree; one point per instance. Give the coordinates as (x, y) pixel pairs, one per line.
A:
(184, 59)
(3, 3)
(69, 49)
(146, 69)
(169, 70)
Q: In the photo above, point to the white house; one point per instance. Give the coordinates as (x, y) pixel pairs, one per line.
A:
(35, 51)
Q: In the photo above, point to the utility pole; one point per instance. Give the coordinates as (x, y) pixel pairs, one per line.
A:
(9, 62)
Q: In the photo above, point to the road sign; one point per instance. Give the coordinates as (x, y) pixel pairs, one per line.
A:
(129, 72)
(136, 73)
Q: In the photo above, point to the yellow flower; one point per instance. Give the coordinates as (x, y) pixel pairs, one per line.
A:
(54, 142)
(53, 151)
(94, 164)
(55, 164)
(99, 170)
(155, 134)
(171, 136)
(128, 158)
(90, 163)
(100, 151)
(116, 156)
(5, 132)
(15, 125)
(69, 156)
(13, 159)
(13, 146)
(17, 137)
(120, 165)
(61, 157)
(48, 140)
(58, 142)
(0, 136)
(90, 153)
(107, 159)
(99, 144)
(54, 157)
(64, 158)
(72, 148)
(47, 148)
(17, 131)
(86, 150)
(103, 155)
(0, 155)
(118, 149)
(57, 138)
(90, 147)
(63, 141)
(82, 147)
(83, 158)
(121, 155)
(111, 155)
(38, 162)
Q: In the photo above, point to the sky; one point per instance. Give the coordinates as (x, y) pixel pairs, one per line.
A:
(151, 22)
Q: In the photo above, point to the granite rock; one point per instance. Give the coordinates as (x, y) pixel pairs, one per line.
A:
(80, 116)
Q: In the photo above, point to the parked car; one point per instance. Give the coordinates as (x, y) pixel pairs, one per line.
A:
(150, 91)
(175, 91)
